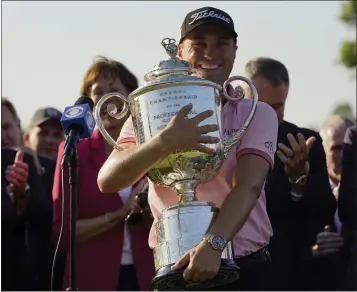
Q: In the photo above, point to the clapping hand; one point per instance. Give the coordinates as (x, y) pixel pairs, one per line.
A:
(327, 243)
(295, 158)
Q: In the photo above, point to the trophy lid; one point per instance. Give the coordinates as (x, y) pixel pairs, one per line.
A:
(172, 66)
(173, 71)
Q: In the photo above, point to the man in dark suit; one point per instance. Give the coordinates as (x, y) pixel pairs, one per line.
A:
(347, 206)
(299, 199)
(43, 136)
(23, 215)
(348, 189)
(329, 243)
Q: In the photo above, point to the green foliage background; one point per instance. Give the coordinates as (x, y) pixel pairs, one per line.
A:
(348, 56)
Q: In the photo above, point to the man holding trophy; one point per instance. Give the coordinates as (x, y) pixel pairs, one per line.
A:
(207, 152)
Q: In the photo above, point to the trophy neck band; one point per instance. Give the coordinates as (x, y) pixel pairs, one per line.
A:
(186, 189)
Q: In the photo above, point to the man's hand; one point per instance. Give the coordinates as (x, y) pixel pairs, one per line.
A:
(29, 151)
(36, 161)
(203, 263)
(185, 134)
(327, 243)
(295, 158)
(17, 175)
(132, 204)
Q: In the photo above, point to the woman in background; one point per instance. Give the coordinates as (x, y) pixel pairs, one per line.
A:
(111, 255)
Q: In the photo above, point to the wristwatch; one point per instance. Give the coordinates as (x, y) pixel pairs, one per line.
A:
(300, 181)
(303, 178)
(217, 242)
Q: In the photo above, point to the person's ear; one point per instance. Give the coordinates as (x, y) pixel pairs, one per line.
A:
(180, 51)
(235, 51)
(26, 138)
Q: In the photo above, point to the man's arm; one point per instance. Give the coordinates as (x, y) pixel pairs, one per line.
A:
(251, 172)
(125, 164)
(254, 159)
(317, 198)
(124, 168)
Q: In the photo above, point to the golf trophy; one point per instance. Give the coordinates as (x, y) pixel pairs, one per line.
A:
(172, 84)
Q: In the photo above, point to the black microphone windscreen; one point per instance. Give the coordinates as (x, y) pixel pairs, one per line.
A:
(83, 100)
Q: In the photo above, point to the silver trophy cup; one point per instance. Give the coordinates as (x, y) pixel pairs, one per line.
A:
(170, 86)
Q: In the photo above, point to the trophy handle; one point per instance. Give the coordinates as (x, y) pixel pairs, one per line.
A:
(230, 142)
(113, 112)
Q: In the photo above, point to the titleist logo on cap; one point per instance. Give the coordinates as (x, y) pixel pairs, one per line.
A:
(205, 14)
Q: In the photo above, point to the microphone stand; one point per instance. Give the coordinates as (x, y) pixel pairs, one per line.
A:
(73, 165)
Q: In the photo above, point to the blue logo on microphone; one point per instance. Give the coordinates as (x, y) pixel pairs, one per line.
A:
(74, 112)
(79, 117)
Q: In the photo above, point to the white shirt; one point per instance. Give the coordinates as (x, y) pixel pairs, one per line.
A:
(127, 254)
(337, 221)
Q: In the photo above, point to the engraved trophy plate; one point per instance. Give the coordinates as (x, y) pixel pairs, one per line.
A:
(172, 84)
(159, 106)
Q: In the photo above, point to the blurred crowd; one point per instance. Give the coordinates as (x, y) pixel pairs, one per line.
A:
(312, 216)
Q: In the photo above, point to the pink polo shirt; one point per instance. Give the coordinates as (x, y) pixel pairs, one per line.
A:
(260, 139)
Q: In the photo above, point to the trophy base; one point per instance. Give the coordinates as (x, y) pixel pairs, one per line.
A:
(169, 280)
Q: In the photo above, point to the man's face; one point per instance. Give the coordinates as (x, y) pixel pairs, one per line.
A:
(211, 50)
(45, 138)
(333, 145)
(10, 129)
(275, 96)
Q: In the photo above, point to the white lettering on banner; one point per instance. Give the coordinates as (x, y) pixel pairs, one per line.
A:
(205, 14)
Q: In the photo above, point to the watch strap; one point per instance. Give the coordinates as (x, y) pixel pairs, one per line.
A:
(217, 242)
(303, 178)
(300, 181)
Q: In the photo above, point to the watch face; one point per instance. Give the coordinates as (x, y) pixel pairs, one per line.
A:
(218, 242)
(303, 180)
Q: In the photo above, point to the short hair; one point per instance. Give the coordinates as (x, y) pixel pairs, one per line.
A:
(335, 123)
(272, 70)
(103, 66)
(9, 105)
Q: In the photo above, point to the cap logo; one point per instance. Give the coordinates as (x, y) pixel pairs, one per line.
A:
(74, 112)
(204, 14)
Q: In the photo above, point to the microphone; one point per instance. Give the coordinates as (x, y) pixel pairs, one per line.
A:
(78, 123)
(134, 218)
